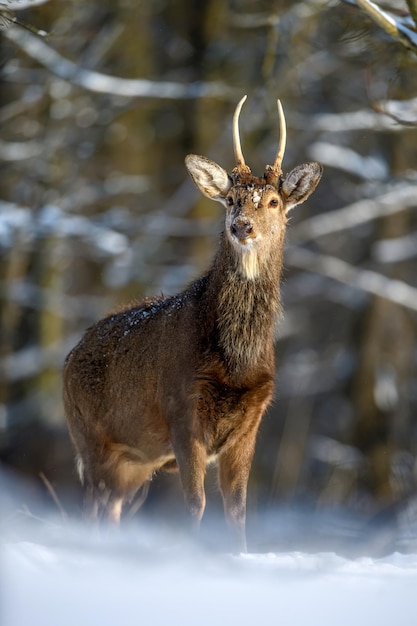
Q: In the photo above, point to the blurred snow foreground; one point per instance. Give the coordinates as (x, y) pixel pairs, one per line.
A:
(115, 579)
(57, 572)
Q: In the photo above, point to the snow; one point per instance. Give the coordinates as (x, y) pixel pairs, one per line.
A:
(56, 571)
(80, 578)
(53, 220)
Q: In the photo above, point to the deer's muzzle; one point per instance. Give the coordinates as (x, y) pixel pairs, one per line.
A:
(241, 228)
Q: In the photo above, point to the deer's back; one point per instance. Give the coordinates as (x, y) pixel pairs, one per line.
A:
(120, 359)
(136, 371)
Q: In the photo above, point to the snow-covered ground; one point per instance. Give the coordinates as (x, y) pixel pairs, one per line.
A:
(114, 580)
(56, 573)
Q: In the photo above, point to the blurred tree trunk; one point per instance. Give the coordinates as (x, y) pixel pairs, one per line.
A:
(381, 385)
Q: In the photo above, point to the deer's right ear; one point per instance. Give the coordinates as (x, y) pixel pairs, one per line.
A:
(300, 183)
(211, 179)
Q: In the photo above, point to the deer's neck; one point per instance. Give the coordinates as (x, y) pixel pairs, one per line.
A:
(247, 307)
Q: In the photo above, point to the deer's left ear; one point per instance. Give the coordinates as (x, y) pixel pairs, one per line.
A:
(300, 183)
(211, 179)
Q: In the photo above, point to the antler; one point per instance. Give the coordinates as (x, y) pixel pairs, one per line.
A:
(240, 161)
(272, 172)
(277, 166)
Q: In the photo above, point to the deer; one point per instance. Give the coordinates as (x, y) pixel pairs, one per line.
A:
(175, 383)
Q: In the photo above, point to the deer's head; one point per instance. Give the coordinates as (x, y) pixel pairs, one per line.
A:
(256, 207)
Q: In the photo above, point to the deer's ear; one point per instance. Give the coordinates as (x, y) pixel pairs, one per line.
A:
(211, 179)
(300, 183)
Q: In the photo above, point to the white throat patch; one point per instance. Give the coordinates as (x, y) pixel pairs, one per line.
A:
(249, 263)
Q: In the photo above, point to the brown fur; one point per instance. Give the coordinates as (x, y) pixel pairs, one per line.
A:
(173, 382)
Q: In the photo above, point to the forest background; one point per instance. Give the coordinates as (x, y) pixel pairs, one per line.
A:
(99, 104)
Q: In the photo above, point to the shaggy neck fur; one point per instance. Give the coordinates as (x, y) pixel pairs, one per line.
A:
(248, 308)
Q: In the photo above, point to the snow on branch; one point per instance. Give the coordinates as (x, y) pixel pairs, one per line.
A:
(348, 160)
(366, 280)
(397, 199)
(390, 24)
(67, 70)
(395, 249)
(34, 359)
(402, 111)
(52, 219)
(30, 295)
(390, 115)
(20, 150)
(22, 5)
(363, 119)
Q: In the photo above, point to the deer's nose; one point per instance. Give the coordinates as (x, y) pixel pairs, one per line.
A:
(241, 228)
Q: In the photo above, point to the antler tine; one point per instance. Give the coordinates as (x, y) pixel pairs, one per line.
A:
(282, 139)
(240, 161)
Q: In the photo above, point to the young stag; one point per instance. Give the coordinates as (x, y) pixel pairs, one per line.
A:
(173, 383)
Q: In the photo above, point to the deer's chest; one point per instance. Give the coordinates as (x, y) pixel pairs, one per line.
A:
(226, 413)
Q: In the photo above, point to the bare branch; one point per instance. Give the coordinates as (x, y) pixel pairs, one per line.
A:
(7, 18)
(359, 278)
(389, 115)
(54, 496)
(402, 111)
(102, 83)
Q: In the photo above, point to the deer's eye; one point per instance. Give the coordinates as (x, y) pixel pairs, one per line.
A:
(273, 203)
(229, 201)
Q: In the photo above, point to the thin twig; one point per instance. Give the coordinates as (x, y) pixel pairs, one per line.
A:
(381, 107)
(26, 512)
(54, 496)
